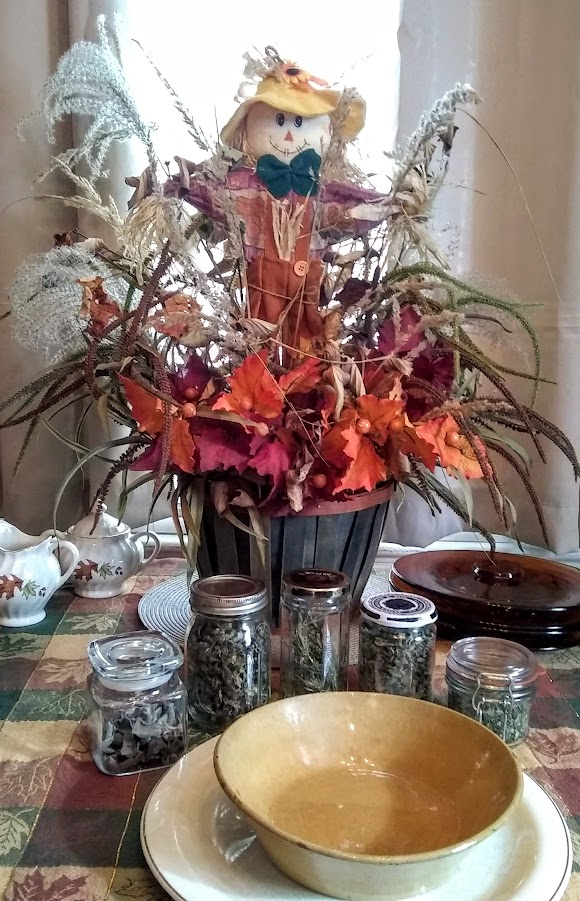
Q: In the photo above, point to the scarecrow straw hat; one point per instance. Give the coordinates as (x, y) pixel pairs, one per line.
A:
(289, 90)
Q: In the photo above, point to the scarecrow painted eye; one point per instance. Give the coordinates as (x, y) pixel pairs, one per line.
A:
(298, 121)
(280, 119)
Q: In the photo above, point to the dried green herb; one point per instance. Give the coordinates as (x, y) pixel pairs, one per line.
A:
(140, 736)
(315, 658)
(227, 668)
(508, 717)
(397, 661)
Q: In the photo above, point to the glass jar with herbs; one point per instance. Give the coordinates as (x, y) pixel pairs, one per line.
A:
(492, 680)
(397, 638)
(314, 631)
(227, 650)
(137, 702)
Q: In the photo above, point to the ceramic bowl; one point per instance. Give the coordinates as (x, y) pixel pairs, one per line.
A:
(359, 795)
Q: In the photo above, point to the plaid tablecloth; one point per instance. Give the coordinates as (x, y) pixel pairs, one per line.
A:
(69, 833)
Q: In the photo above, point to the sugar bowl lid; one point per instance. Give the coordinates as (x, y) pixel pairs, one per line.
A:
(134, 660)
(107, 526)
(399, 610)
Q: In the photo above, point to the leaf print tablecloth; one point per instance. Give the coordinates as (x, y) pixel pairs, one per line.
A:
(69, 833)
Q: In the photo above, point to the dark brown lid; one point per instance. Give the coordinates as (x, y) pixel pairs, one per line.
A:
(531, 600)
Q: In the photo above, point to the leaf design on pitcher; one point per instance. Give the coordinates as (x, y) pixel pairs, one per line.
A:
(85, 570)
(104, 570)
(9, 584)
(29, 589)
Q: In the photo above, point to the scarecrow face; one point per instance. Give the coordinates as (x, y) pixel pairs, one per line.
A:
(284, 135)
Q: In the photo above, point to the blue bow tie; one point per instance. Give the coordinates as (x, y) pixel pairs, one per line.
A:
(301, 175)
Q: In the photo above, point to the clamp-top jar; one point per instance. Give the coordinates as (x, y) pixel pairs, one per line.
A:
(397, 638)
(492, 681)
(314, 629)
(138, 703)
(227, 649)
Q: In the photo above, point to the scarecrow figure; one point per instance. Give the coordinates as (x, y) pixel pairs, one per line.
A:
(287, 216)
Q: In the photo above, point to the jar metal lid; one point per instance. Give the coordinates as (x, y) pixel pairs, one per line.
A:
(228, 595)
(399, 610)
(316, 584)
(134, 660)
(492, 663)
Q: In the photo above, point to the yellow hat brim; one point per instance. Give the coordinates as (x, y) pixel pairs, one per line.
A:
(301, 101)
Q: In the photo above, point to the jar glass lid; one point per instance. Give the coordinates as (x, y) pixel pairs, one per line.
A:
(399, 610)
(134, 659)
(493, 662)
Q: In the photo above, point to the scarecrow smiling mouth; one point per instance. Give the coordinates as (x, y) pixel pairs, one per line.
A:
(286, 150)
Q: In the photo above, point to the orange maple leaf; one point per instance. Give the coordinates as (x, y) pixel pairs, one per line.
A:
(407, 440)
(146, 409)
(366, 470)
(453, 449)
(342, 443)
(301, 379)
(380, 412)
(182, 445)
(253, 390)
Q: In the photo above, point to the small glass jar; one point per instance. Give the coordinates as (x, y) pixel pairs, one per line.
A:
(314, 631)
(397, 638)
(137, 703)
(493, 681)
(227, 650)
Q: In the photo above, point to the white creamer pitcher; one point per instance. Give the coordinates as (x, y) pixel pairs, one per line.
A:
(30, 573)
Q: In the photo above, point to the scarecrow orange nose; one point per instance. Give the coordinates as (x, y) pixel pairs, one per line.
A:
(288, 136)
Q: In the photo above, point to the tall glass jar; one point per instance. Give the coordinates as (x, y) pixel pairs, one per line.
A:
(314, 631)
(137, 702)
(492, 680)
(227, 649)
(397, 638)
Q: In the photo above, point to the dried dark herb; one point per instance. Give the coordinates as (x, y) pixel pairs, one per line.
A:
(316, 659)
(508, 717)
(131, 737)
(228, 667)
(397, 661)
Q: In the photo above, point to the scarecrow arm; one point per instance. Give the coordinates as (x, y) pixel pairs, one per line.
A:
(349, 210)
(204, 198)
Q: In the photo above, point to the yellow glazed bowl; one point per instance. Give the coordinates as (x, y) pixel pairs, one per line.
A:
(359, 795)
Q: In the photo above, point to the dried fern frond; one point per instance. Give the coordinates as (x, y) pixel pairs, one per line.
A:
(431, 488)
(45, 297)
(88, 199)
(511, 458)
(89, 81)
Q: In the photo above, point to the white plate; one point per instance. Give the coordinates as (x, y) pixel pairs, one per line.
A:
(200, 849)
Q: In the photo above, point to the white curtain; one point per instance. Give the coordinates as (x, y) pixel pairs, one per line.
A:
(33, 34)
(521, 57)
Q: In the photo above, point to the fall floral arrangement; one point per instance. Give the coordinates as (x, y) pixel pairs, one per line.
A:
(270, 330)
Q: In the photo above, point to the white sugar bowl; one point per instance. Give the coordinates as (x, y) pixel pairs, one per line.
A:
(109, 554)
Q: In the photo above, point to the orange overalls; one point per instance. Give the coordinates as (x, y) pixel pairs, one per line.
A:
(287, 291)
